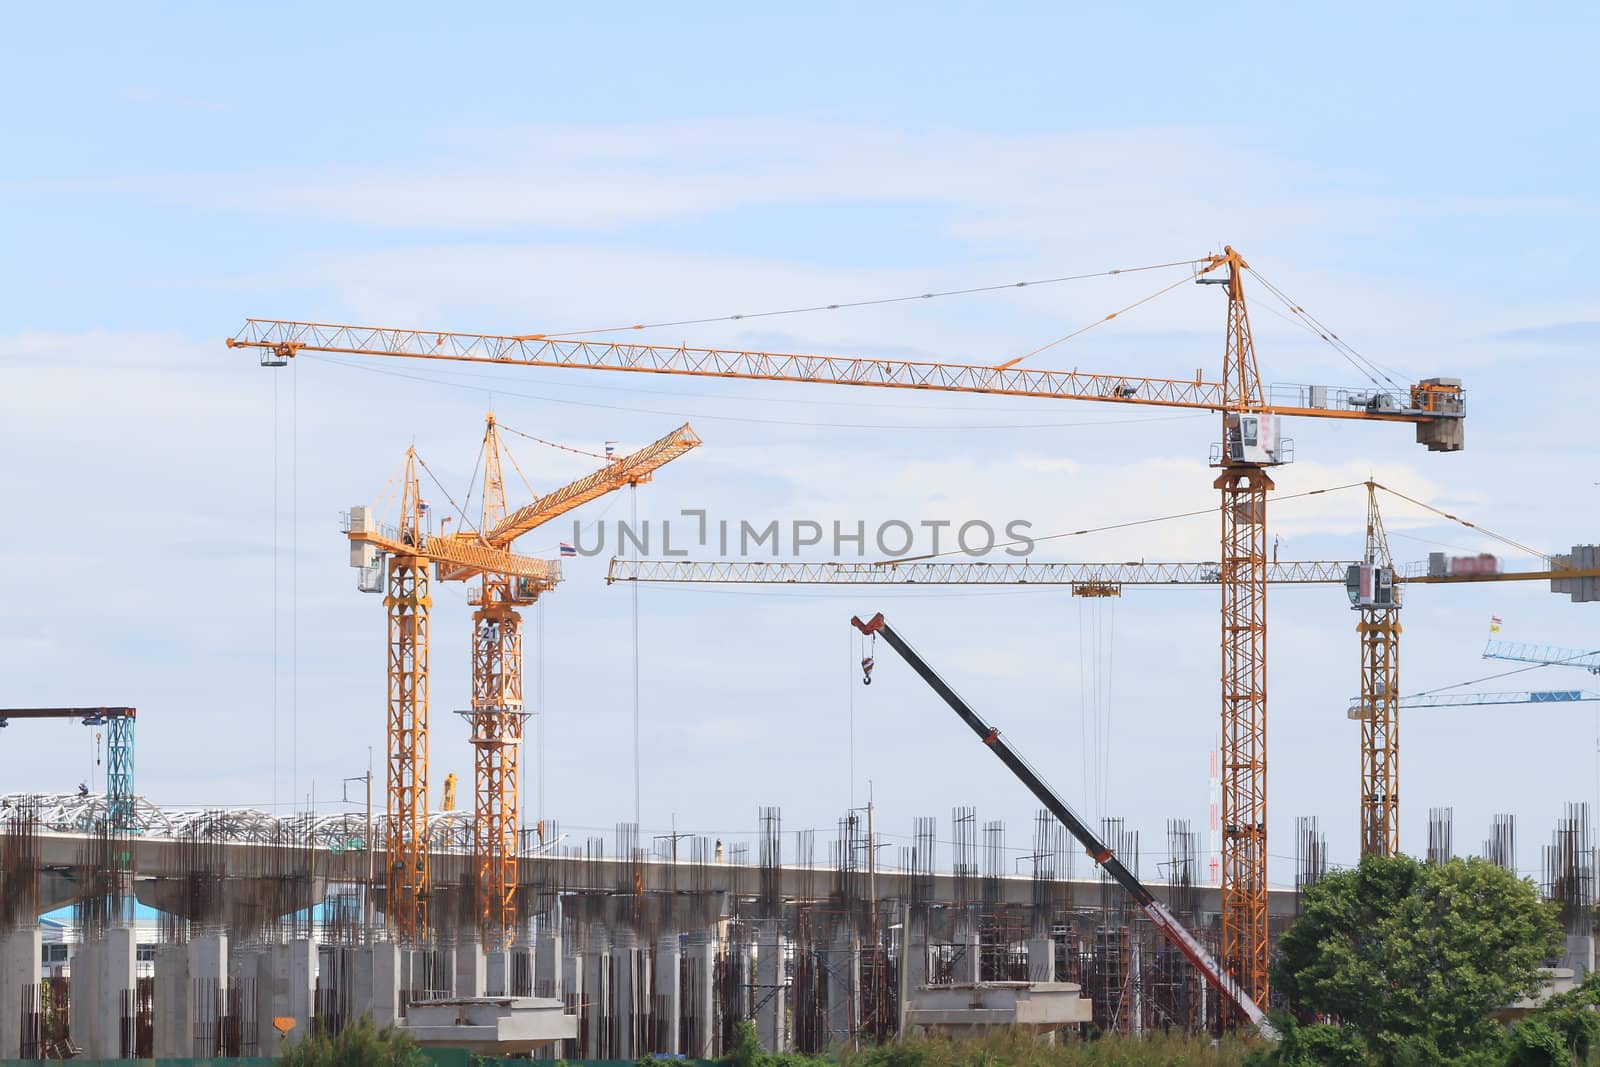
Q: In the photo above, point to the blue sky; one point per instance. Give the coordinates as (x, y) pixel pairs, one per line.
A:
(1421, 180)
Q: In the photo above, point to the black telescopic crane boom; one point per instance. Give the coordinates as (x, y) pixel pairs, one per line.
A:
(1164, 920)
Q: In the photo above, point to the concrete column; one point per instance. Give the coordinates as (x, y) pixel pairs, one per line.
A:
(701, 960)
(178, 970)
(625, 1000)
(470, 971)
(256, 964)
(1041, 959)
(497, 973)
(571, 976)
(115, 977)
(208, 957)
(376, 983)
(84, 993)
(916, 932)
(1579, 955)
(547, 961)
(596, 1001)
(291, 982)
(174, 1007)
(769, 991)
(668, 1000)
(19, 968)
(844, 984)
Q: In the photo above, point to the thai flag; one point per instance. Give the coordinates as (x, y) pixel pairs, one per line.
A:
(568, 550)
(611, 449)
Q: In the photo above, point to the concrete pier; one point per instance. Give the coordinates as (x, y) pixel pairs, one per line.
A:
(843, 983)
(470, 971)
(622, 1012)
(103, 978)
(497, 973)
(596, 996)
(548, 962)
(769, 999)
(1041, 959)
(19, 969)
(375, 981)
(700, 960)
(667, 1001)
(286, 978)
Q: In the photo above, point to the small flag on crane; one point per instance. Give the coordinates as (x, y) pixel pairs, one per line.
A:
(611, 449)
(1494, 624)
(568, 550)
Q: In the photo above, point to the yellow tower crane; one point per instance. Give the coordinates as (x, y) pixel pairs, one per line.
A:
(498, 710)
(1250, 446)
(397, 562)
(400, 561)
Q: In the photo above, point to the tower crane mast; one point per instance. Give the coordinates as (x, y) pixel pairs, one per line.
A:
(1249, 447)
(1376, 596)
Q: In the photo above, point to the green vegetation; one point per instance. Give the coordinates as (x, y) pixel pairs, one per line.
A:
(1004, 1048)
(1414, 960)
(361, 1044)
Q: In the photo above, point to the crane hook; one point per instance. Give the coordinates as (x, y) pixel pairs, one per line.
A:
(866, 670)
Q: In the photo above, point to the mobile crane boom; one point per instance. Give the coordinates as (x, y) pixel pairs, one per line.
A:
(1163, 919)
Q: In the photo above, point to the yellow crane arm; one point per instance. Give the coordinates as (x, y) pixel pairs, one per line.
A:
(631, 469)
(467, 557)
(280, 340)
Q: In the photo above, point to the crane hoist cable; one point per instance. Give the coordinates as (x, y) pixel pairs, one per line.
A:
(1097, 322)
(554, 444)
(1118, 525)
(844, 305)
(1519, 546)
(1360, 362)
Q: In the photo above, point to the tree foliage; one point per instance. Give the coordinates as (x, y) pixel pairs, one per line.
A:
(1413, 958)
(361, 1044)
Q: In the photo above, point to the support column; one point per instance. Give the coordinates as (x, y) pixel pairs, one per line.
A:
(19, 969)
(497, 973)
(668, 1001)
(623, 1010)
(844, 984)
(116, 980)
(377, 983)
(596, 1001)
(770, 1013)
(1041, 959)
(471, 973)
(291, 975)
(174, 1007)
(701, 962)
(84, 992)
(547, 961)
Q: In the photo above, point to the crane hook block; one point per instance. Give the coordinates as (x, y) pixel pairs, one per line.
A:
(866, 670)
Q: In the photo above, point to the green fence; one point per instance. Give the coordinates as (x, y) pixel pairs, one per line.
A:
(437, 1057)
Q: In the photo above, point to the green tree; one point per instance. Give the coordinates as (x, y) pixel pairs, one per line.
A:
(361, 1044)
(1414, 957)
